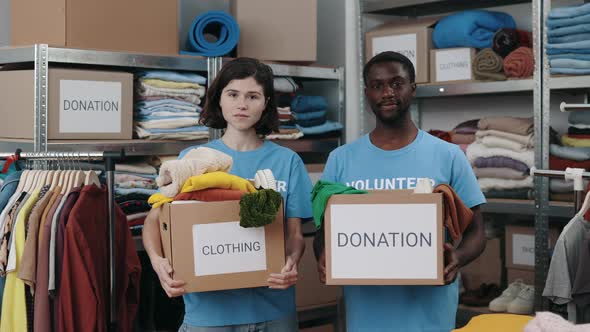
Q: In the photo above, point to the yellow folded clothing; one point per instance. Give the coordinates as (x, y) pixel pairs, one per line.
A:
(575, 142)
(169, 84)
(496, 322)
(219, 180)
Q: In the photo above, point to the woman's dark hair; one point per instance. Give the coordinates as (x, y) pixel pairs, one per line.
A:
(238, 69)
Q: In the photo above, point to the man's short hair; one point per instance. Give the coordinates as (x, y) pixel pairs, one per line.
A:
(390, 56)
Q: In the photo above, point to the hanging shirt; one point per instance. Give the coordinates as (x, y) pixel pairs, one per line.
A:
(564, 264)
(364, 166)
(253, 305)
(14, 316)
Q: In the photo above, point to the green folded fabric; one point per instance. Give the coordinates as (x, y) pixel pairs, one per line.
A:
(321, 193)
(259, 208)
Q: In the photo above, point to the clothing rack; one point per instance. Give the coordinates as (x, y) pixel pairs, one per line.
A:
(564, 107)
(109, 158)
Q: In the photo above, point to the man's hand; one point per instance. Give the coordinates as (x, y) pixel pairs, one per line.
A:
(452, 263)
(322, 267)
(287, 277)
(163, 269)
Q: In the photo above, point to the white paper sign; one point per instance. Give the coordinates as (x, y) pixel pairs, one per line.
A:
(523, 249)
(404, 44)
(227, 247)
(453, 65)
(384, 241)
(89, 107)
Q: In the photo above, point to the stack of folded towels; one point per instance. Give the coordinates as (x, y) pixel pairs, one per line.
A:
(502, 155)
(568, 37)
(573, 152)
(134, 184)
(167, 105)
(464, 133)
(285, 88)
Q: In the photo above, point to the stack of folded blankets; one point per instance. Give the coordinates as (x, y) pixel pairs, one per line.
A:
(568, 40)
(311, 115)
(502, 156)
(167, 105)
(285, 88)
(134, 184)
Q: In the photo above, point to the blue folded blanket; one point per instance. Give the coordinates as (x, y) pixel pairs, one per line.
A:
(569, 11)
(217, 23)
(568, 30)
(568, 38)
(569, 63)
(554, 51)
(322, 129)
(570, 21)
(579, 117)
(148, 112)
(178, 130)
(312, 122)
(471, 28)
(574, 56)
(303, 104)
(569, 71)
(140, 117)
(310, 115)
(173, 76)
(160, 102)
(579, 45)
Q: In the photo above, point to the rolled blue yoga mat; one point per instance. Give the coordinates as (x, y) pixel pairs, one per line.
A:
(227, 33)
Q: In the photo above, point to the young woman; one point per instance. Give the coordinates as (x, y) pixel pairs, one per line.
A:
(241, 101)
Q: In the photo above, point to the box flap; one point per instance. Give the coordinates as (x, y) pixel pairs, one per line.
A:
(414, 24)
(166, 232)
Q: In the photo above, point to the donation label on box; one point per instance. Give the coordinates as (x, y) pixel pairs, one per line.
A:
(404, 44)
(384, 239)
(227, 247)
(453, 64)
(89, 106)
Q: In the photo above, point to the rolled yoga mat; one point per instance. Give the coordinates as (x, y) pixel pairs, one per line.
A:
(217, 23)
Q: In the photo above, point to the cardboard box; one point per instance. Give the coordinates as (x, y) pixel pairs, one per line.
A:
(412, 38)
(209, 250)
(277, 30)
(378, 238)
(487, 268)
(451, 64)
(520, 246)
(145, 26)
(527, 276)
(81, 104)
(310, 292)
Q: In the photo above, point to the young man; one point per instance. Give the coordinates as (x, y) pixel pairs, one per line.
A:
(398, 151)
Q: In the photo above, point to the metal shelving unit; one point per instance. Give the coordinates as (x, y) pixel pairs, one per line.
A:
(541, 86)
(42, 57)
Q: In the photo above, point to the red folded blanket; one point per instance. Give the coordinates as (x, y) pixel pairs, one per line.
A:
(520, 63)
(561, 164)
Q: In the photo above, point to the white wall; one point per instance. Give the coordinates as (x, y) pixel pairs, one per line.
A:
(4, 22)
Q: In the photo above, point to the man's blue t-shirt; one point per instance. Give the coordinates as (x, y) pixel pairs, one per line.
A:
(364, 166)
(253, 305)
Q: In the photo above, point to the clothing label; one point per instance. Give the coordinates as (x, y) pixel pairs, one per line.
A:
(384, 241)
(89, 106)
(523, 249)
(404, 44)
(227, 247)
(453, 65)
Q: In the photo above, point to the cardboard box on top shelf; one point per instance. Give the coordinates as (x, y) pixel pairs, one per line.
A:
(277, 30)
(143, 26)
(520, 246)
(451, 64)
(412, 38)
(356, 251)
(81, 104)
(208, 248)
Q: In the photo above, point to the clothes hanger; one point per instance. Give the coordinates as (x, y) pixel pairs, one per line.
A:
(91, 178)
(585, 206)
(80, 176)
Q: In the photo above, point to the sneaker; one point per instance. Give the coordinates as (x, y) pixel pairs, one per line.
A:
(524, 302)
(500, 304)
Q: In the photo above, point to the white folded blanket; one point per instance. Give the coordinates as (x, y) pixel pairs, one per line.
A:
(487, 184)
(526, 140)
(501, 142)
(478, 150)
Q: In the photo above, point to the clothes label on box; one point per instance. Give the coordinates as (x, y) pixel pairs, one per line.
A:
(89, 106)
(453, 65)
(523, 249)
(384, 241)
(227, 247)
(404, 44)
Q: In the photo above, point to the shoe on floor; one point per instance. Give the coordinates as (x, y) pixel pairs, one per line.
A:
(500, 304)
(524, 302)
